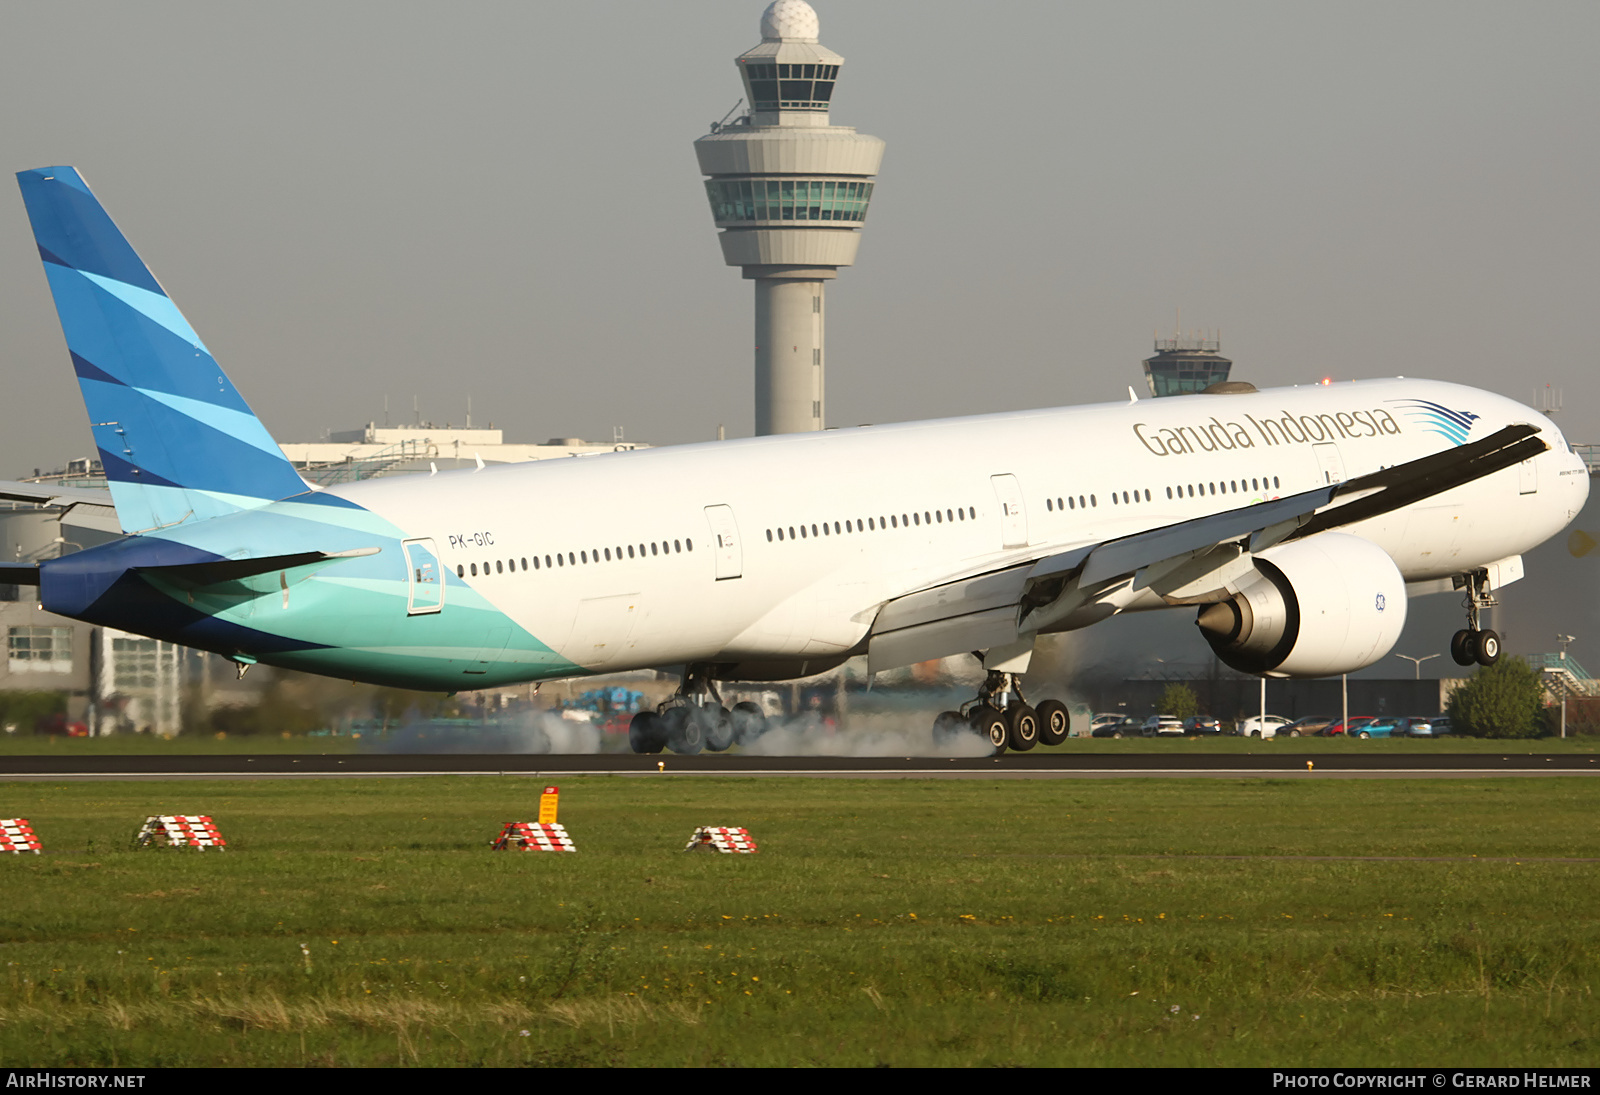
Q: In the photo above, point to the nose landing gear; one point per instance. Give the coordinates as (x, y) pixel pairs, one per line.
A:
(1473, 644)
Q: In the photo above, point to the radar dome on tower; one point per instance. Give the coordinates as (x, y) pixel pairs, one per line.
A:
(790, 21)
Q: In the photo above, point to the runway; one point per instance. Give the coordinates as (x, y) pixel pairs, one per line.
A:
(1051, 765)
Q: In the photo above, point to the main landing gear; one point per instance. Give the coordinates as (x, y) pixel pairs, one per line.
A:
(1473, 644)
(694, 719)
(1002, 717)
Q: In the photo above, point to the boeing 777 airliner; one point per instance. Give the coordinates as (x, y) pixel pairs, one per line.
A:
(1293, 522)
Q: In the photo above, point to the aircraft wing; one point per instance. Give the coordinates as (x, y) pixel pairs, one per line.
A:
(47, 495)
(1186, 563)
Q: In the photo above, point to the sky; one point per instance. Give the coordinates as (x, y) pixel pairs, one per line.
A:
(500, 201)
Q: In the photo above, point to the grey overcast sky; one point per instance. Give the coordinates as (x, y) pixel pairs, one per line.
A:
(500, 200)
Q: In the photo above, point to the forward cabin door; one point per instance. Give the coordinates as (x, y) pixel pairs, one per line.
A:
(1528, 483)
(725, 537)
(1013, 518)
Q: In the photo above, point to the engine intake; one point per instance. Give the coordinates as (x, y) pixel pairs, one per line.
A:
(1332, 603)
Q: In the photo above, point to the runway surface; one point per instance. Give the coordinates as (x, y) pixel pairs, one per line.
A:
(1050, 765)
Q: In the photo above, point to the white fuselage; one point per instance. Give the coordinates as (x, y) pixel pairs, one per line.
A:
(817, 531)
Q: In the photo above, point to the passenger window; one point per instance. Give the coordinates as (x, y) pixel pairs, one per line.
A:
(461, 571)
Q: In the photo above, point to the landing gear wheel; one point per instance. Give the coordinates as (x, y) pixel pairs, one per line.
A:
(948, 728)
(1022, 727)
(645, 733)
(1054, 722)
(1461, 647)
(1488, 648)
(749, 723)
(684, 732)
(990, 725)
(718, 725)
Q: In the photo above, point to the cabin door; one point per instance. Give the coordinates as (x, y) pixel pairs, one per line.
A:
(424, 578)
(1329, 463)
(1013, 518)
(725, 537)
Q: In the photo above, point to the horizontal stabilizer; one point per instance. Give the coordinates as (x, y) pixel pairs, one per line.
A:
(47, 495)
(232, 570)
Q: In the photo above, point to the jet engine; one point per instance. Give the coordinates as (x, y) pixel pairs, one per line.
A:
(1332, 603)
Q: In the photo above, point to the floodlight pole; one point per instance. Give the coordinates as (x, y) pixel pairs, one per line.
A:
(1344, 702)
(1417, 661)
(1564, 640)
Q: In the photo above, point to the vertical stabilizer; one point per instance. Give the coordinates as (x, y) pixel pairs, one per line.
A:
(177, 441)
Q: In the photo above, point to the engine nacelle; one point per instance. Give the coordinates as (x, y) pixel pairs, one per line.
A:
(1332, 603)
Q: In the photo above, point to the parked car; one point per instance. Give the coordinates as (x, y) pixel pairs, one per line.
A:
(1385, 726)
(1126, 727)
(1419, 727)
(1438, 727)
(1254, 727)
(1201, 726)
(1105, 718)
(1163, 725)
(1308, 726)
(1337, 727)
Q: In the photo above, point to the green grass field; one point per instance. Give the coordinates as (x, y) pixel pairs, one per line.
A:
(1139, 922)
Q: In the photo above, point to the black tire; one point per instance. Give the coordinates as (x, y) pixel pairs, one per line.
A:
(948, 728)
(645, 734)
(1022, 727)
(717, 723)
(1116, 733)
(990, 726)
(1363, 735)
(1054, 722)
(684, 733)
(1461, 649)
(749, 722)
(1294, 733)
(1487, 648)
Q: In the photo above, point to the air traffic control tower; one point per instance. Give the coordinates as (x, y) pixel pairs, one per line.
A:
(789, 192)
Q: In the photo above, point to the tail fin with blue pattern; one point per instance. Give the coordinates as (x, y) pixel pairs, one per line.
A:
(177, 441)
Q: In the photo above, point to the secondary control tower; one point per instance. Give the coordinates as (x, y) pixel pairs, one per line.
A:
(789, 192)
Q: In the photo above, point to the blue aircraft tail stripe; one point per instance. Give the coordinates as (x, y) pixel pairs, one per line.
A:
(177, 440)
(153, 306)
